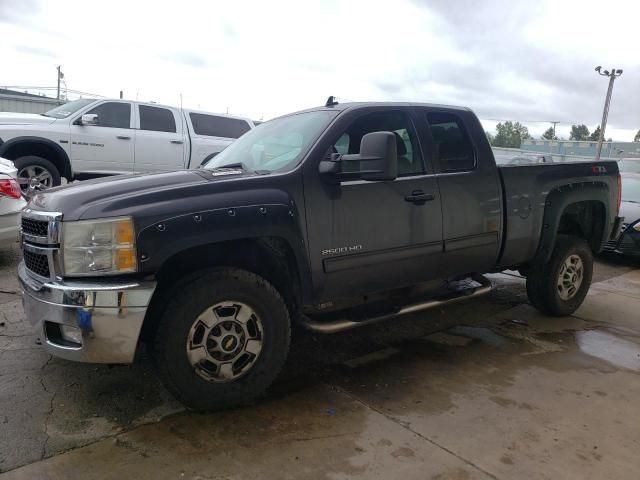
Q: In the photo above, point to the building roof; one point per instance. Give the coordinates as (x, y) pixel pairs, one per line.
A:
(15, 93)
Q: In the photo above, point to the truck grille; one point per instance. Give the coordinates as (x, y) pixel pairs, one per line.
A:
(40, 241)
(37, 228)
(37, 263)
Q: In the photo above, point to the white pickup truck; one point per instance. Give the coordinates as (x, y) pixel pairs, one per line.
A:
(88, 138)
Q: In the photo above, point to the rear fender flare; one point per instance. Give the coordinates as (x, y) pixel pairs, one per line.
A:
(557, 202)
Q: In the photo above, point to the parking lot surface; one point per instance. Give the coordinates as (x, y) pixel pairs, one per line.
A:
(484, 389)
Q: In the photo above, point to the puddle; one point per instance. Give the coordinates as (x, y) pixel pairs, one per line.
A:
(610, 348)
(485, 335)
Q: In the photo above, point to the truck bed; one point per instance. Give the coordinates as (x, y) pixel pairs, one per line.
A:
(526, 194)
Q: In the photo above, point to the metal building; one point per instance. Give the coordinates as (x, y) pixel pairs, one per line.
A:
(13, 101)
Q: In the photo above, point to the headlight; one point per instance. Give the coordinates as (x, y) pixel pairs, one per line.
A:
(636, 227)
(92, 247)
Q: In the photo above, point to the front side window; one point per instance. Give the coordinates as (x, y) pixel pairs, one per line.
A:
(113, 114)
(157, 119)
(409, 158)
(454, 150)
(216, 126)
(276, 145)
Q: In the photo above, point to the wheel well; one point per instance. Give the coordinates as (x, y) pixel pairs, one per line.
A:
(586, 220)
(21, 149)
(269, 257)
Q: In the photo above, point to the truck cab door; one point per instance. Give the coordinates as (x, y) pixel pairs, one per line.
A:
(367, 237)
(470, 189)
(159, 140)
(106, 147)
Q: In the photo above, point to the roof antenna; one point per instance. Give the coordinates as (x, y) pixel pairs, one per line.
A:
(331, 101)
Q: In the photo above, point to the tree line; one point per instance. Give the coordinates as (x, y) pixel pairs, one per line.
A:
(511, 134)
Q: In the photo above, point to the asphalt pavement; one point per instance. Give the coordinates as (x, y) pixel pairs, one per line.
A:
(483, 389)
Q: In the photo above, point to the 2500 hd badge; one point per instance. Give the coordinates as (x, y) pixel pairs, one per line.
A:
(334, 251)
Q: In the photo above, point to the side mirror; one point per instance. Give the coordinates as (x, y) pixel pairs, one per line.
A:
(89, 119)
(378, 159)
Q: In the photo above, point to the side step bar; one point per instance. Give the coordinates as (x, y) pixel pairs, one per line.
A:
(335, 326)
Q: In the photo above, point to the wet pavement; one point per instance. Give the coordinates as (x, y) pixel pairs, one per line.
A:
(483, 389)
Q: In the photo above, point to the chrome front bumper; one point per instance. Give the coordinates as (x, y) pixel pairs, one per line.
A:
(107, 313)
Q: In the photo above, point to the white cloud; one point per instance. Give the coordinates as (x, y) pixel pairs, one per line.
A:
(262, 59)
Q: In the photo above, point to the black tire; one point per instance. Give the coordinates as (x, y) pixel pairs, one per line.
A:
(542, 280)
(195, 294)
(28, 161)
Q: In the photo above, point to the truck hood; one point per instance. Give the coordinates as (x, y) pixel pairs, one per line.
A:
(134, 194)
(10, 118)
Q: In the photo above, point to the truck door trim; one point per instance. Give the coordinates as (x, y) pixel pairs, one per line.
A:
(470, 241)
(346, 262)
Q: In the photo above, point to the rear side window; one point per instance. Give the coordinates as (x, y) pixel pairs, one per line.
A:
(157, 119)
(113, 114)
(214, 126)
(454, 150)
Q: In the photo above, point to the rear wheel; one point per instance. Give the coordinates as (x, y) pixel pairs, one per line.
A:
(36, 174)
(222, 340)
(559, 286)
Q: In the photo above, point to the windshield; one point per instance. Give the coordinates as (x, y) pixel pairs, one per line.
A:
(631, 189)
(63, 111)
(630, 166)
(276, 145)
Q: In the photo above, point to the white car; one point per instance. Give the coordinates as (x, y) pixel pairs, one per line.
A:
(88, 138)
(11, 203)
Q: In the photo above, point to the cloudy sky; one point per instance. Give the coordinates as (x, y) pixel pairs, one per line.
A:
(520, 60)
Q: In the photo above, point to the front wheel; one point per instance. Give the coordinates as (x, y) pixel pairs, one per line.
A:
(222, 340)
(559, 286)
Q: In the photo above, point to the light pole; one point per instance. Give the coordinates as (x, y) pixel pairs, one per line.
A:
(612, 76)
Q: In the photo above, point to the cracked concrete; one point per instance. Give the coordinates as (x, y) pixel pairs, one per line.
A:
(484, 389)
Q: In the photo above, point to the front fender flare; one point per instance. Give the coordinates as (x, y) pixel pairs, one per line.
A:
(166, 238)
(66, 170)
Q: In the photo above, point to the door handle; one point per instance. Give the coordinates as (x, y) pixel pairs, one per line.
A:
(177, 142)
(123, 137)
(419, 197)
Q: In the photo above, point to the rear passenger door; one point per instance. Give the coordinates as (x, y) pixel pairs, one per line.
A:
(159, 140)
(210, 134)
(470, 192)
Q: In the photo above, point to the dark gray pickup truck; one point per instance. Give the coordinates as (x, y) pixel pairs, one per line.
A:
(334, 217)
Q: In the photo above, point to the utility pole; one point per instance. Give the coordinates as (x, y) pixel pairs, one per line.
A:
(612, 76)
(554, 123)
(58, 95)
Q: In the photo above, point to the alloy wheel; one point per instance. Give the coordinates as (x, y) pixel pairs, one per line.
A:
(225, 341)
(570, 277)
(34, 179)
